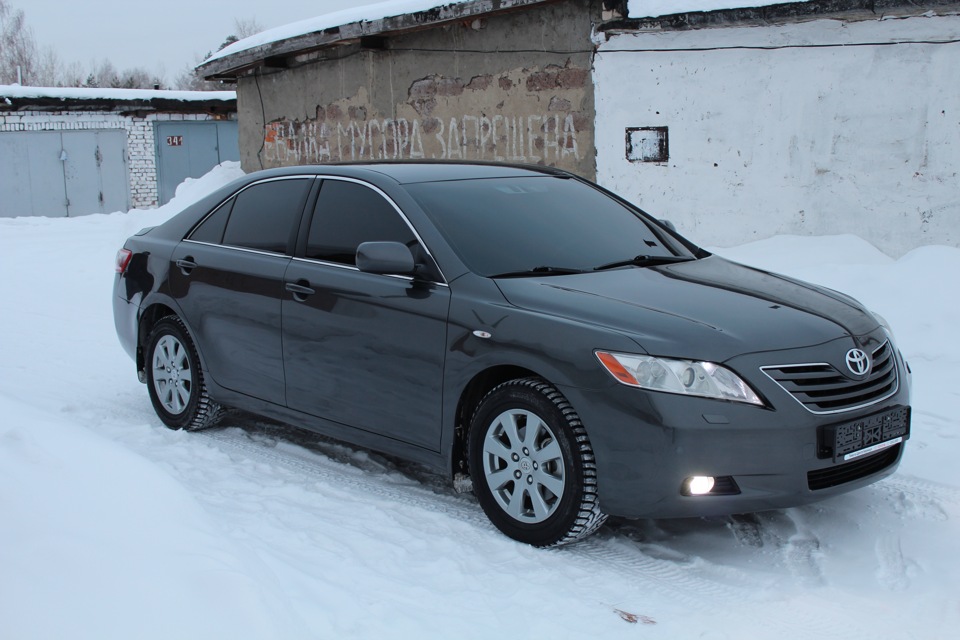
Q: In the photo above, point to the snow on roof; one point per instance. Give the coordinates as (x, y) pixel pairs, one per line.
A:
(393, 8)
(113, 95)
(367, 13)
(657, 8)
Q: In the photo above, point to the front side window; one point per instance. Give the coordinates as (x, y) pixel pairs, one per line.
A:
(348, 214)
(264, 215)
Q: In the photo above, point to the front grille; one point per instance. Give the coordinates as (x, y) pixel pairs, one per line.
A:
(842, 473)
(822, 389)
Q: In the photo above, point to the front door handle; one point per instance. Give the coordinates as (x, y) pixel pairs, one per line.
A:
(300, 290)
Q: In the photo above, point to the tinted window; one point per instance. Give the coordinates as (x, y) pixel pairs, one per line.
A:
(264, 215)
(211, 229)
(348, 214)
(503, 225)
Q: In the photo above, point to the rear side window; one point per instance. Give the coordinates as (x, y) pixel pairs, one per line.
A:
(211, 229)
(348, 214)
(264, 215)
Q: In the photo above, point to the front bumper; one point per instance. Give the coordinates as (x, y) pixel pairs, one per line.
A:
(647, 444)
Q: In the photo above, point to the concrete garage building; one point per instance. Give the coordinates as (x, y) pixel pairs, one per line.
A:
(500, 81)
(77, 151)
(735, 121)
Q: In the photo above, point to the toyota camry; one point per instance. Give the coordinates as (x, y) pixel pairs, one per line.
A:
(519, 329)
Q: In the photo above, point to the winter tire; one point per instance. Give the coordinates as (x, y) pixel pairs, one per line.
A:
(174, 378)
(532, 465)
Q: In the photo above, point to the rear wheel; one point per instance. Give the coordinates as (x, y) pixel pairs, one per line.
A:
(532, 465)
(174, 379)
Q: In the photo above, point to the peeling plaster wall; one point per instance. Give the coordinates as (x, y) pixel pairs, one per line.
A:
(818, 128)
(510, 88)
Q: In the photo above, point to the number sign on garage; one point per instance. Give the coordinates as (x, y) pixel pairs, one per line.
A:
(190, 149)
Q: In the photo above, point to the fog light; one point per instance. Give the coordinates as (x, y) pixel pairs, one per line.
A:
(698, 485)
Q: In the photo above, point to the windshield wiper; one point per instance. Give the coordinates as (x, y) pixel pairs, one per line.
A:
(538, 271)
(644, 261)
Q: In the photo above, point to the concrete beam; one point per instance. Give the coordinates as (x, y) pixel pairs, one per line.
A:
(233, 66)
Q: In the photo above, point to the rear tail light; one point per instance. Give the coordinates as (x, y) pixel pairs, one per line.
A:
(123, 259)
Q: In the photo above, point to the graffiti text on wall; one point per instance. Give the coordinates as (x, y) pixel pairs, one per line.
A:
(550, 138)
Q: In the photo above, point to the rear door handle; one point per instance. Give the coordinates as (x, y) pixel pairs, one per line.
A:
(300, 291)
(186, 265)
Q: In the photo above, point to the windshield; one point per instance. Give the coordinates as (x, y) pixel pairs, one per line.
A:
(540, 224)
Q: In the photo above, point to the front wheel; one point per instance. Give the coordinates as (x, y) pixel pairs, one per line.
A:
(532, 465)
(174, 379)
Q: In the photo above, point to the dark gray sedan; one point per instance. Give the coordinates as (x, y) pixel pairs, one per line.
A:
(519, 327)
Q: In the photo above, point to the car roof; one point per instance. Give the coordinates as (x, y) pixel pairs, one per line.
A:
(415, 171)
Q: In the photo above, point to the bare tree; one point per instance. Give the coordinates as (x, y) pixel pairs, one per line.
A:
(242, 28)
(18, 50)
(71, 75)
(188, 80)
(21, 60)
(105, 75)
(48, 69)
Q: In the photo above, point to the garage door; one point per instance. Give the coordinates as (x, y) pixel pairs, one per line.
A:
(190, 149)
(63, 173)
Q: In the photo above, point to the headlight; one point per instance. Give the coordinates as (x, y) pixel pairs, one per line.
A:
(687, 377)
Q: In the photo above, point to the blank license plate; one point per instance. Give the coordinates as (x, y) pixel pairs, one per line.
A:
(868, 435)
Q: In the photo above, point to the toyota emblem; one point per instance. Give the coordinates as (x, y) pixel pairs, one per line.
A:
(858, 362)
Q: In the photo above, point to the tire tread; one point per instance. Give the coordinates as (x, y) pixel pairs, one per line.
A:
(589, 517)
(208, 412)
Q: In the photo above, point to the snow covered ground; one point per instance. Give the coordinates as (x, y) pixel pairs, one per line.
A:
(112, 526)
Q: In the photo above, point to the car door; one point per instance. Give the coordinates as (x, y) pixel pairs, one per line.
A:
(227, 277)
(363, 349)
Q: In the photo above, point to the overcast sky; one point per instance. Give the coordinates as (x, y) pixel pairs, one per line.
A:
(163, 37)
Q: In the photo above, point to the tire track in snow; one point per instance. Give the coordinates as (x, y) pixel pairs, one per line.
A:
(892, 569)
(919, 486)
(716, 590)
(916, 498)
(678, 578)
(688, 579)
(601, 555)
(786, 533)
(802, 551)
(379, 481)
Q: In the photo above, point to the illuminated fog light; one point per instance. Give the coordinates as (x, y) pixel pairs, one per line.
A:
(699, 485)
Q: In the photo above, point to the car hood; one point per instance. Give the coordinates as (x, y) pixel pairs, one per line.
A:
(709, 309)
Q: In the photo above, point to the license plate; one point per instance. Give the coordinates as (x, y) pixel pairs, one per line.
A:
(868, 435)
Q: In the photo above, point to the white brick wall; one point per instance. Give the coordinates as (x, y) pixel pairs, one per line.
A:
(141, 150)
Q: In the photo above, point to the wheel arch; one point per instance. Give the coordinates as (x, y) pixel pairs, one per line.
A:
(148, 318)
(563, 517)
(474, 391)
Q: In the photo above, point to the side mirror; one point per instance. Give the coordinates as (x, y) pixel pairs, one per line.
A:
(392, 258)
(667, 224)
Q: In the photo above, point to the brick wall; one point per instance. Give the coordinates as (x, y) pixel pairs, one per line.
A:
(141, 149)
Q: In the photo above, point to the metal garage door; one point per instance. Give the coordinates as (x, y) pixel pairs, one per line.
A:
(190, 149)
(63, 173)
